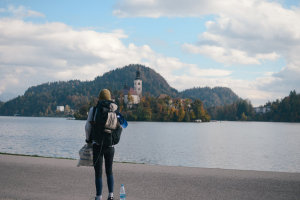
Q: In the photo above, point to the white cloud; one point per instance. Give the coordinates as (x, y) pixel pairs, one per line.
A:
(20, 12)
(54, 51)
(169, 8)
(36, 53)
(31, 54)
(197, 72)
(221, 54)
(229, 56)
(243, 32)
(266, 31)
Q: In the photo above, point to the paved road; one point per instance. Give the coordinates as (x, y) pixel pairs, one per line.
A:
(57, 179)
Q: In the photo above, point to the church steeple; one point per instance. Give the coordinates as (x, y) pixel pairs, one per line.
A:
(138, 74)
(138, 83)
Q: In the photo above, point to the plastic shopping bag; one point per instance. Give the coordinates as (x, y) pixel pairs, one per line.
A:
(85, 156)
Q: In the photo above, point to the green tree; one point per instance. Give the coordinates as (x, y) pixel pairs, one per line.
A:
(243, 117)
(181, 114)
(67, 110)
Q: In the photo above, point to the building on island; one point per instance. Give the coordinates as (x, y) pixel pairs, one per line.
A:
(60, 108)
(138, 83)
(133, 95)
(262, 109)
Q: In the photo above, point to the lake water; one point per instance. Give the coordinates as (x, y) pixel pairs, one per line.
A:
(229, 145)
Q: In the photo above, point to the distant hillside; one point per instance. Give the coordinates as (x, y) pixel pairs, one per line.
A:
(153, 83)
(42, 100)
(281, 110)
(211, 96)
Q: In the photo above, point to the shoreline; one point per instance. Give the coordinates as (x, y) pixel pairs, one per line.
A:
(128, 162)
(25, 177)
(35, 156)
(67, 118)
(60, 158)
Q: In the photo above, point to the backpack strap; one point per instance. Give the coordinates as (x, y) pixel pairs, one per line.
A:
(92, 125)
(94, 112)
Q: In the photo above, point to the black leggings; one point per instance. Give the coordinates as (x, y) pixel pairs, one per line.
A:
(108, 154)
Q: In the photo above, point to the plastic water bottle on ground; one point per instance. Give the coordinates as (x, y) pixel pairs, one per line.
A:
(122, 193)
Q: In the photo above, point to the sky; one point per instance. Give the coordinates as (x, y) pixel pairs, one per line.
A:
(250, 46)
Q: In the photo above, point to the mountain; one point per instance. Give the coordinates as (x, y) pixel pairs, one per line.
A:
(211, 96)
(42, 100)
(153, 82)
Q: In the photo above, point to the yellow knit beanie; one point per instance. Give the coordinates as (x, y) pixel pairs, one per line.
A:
(104, 95)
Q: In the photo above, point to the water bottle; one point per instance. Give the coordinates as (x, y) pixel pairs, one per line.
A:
(122, 193)
(122, 120)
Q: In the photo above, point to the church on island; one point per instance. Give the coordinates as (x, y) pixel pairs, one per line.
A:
(133, 95)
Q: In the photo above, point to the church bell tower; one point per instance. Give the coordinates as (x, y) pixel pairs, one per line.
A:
(138, 83)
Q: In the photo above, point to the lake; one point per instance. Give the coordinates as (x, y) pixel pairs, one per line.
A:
(263, 146)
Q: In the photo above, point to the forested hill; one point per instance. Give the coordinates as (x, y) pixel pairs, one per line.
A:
(42, 100)
(114, 80)
(211, 96)
(284, 110)
(153, 83)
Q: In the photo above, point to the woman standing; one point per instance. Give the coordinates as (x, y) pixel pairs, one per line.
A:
(102, 142)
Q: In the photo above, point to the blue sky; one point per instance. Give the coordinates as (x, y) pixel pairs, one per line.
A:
(250, 46)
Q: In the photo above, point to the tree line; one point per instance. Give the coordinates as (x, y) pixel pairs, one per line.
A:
(156, 109)
(284, 110)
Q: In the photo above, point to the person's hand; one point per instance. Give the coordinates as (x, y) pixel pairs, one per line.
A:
(88, 141)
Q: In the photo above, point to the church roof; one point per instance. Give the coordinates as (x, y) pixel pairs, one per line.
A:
(131, 91)
(163, 96)
(138, 74)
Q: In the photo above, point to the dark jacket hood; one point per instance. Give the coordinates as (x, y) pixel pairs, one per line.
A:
(110, 105)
